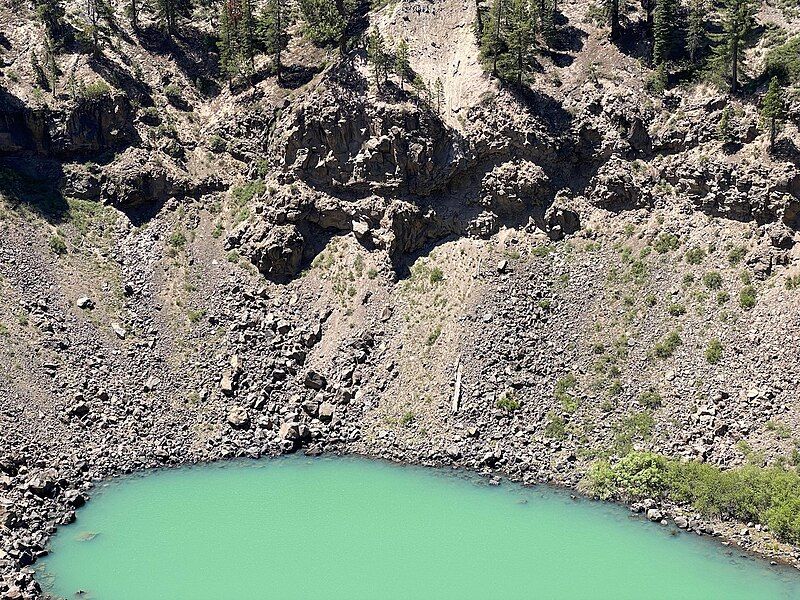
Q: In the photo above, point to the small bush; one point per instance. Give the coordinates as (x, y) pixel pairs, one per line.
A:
(177, 240)
(712, 280)
(650, 399)
(714, 351)
(723, 298)
(747, 297)
(676, 310)
(58, 245)
(695, 256)
(196, 315)
(508, 401)
(556, 427)
(793, 283)
(95, 90)
(666, 242)
(434, 335)
(407, 418)
(666, 348)
(436, 275)
(563, 392)
(216, 144)
(736, 255)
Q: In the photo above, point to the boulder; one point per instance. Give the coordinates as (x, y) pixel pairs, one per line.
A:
(238, 418)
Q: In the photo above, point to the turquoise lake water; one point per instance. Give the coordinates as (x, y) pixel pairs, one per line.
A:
(349, 528)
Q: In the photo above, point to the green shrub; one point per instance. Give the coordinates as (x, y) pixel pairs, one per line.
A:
(177, 240)
(666, 242)
(95, 90)
(556, 427)
(723, 298)
(564, 392)
(407, 418)
(767, 495)
(714, 351)
(736, 255)
(695, 256)
(712, 280)
(793, 283)
(508, 401)
(58, 245)
(436, 275)
(245, 193)
(216, 144)
(650, 399)
(784, 61)
(676, 309)
(636, 426)
(747, 297)
(666, 348)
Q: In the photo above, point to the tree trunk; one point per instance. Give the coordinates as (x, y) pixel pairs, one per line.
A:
(615, 32)
(498, 18)
(772, 133)
(735, 65)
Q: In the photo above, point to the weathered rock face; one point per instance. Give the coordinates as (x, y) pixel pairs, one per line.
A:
(338, 141)
(514, 187)
(87, 127)
(617, 186)
(276, 250)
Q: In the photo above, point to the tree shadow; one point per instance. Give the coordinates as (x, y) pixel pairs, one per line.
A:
(296, 76)
(118, 77)
(194, 52)
(34, 184)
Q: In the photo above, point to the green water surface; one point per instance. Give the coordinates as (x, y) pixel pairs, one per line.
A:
(358, 529)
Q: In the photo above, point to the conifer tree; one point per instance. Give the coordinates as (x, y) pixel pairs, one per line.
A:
(613, 9)
(50, 66)
(772, 109)
(493, 44)
(696, 36)
(51, 14)
(402, 66)
(169, 11)
(725, 125)
(738, 19)
(665, 24)
(521, 37)
(271, 28)
(99, 15)
(376, 56)
(237, 43)
(132, 10)
(325, 21)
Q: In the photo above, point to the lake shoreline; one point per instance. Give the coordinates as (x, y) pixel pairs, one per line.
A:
(720, 531)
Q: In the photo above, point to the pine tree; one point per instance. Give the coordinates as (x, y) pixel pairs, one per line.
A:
(665, 24)
(376, 55)
(50, 65)
(51, 14)
(325, 21)
(738, 19)
(521, 38)
(772, 109)
(271, 31)
(696, 36)
(169, 11)
(237, 43)
(100, 16)
(132, 10)
(438, 91)
(493, 44)
(402, 66)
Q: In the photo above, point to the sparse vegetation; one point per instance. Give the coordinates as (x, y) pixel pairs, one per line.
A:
(747, 297)
(666, 348)
(714, 351)
(666, 242)
(508, 401)
(58, 245)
